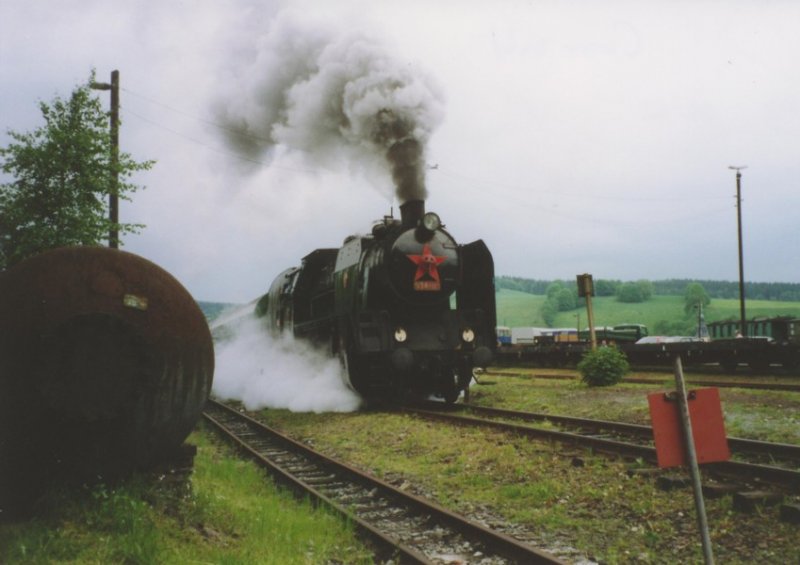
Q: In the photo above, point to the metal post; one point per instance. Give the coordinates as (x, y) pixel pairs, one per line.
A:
(586, 290)
(691, 457)
(699, 319)
(590, 316)
(743, 319)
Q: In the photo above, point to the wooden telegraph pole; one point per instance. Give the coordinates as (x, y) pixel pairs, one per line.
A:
(113, 192)
(743, 322)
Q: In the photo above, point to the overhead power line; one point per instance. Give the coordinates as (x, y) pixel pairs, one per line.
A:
(216, 149)
(217, 125)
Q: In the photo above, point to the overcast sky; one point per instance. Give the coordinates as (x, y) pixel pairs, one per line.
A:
(571, 136)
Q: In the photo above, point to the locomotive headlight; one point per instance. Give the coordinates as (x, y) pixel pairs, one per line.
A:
(468, 335)
(400, 335)
(431, 221)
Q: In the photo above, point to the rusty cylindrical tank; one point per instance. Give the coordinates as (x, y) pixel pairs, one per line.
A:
(105, 364)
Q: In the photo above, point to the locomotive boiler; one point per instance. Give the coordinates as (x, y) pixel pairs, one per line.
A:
(407, 310)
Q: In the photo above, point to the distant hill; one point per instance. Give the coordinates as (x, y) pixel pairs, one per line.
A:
(661, 314)
(786, 292)
(213, 309)
(517, 307)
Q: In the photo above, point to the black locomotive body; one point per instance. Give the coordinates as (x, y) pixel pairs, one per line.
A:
(406, 309)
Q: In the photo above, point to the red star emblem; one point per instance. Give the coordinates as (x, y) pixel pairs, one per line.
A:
(427, 275)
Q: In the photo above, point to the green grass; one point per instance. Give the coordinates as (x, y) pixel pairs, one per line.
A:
(518, 309)
(595, 507)
(231, 515)
(756, 414)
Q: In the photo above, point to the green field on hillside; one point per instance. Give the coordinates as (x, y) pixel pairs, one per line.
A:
(519, 309)
(516, 309)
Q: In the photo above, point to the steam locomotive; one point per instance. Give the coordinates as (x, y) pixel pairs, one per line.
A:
(407, 310)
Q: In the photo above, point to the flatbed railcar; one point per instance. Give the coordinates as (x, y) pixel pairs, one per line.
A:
(771, 343)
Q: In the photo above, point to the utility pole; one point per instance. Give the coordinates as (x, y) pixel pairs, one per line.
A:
(743, 320)
(113, 199)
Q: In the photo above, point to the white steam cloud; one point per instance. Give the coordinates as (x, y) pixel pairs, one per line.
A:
(334, 97)
(266, 372)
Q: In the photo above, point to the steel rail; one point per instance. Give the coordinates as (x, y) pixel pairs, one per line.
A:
(378, 538)
(739, 445)
(502, 544)
(784, 477)
(787, 387)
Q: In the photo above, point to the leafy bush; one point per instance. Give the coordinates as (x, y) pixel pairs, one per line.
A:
(603, 367)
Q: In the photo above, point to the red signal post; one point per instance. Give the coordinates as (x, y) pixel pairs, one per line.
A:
(708, 427)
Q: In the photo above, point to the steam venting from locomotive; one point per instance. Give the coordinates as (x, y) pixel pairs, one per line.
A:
(264, 371)
(333, 97)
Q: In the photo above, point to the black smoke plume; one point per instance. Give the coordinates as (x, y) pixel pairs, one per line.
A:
(333, 97)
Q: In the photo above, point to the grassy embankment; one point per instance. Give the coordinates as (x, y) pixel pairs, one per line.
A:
(231, 514)
(516, 309)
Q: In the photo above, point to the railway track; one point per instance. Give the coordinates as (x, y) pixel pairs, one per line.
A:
(788, 387)
(769, 450)
(595, 434)
(401, 526)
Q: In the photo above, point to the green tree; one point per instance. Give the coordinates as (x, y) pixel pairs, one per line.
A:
(62, 174)
(630, 292)
(693, 295)
(639, 291)
(567, 299)
(604, 287)
(645, 288)
(553, 289)
(549, 311)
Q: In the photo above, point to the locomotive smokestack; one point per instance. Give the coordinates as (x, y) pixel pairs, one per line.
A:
(411, 212)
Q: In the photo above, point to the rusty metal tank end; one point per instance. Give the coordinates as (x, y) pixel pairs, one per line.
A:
(105, 364)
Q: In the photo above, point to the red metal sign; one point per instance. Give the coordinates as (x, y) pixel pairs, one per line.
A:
(427, 275)
(708, 427)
